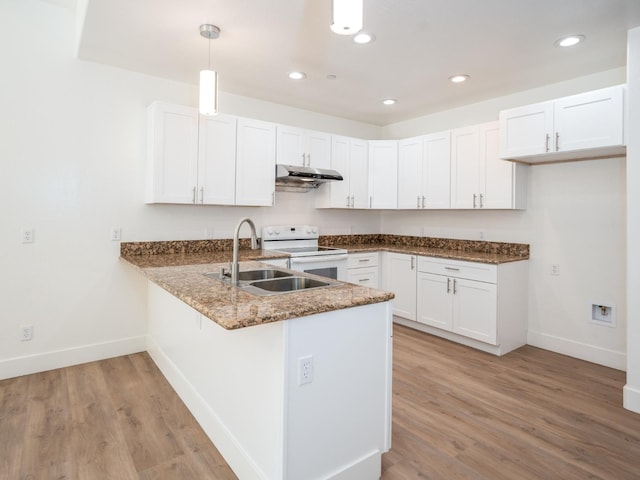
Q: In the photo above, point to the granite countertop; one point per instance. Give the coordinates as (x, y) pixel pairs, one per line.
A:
(196, 258)
(231, 307)
(467, 256)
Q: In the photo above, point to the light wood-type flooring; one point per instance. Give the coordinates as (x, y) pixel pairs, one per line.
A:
(457, 414)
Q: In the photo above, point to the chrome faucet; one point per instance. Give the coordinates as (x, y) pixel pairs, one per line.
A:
(236, 241)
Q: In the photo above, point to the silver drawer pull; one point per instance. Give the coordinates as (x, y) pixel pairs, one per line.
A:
(364, 260)
(364, 280)
(451, 268)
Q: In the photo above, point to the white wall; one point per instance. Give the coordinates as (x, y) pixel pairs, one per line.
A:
(632, 388)
(575, 218)
(72, 153)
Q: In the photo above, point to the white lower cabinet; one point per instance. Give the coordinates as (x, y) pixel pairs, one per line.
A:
(465, 307)
(480, 305)
(362, 269)
(399, 274)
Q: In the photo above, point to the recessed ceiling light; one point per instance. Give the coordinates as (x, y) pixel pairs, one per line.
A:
(569, 41)
(459, 78)
(389, 101)
(297, 75)
(364, 37)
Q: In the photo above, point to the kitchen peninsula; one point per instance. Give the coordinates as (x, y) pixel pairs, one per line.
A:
(296, 385)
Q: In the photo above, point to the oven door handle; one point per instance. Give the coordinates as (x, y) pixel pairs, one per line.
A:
(318, 259)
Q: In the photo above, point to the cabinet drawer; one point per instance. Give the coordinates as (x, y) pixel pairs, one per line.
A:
(367, 277)
(357, 260)
(481, 272)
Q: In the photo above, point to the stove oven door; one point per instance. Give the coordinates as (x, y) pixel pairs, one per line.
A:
(331, 266)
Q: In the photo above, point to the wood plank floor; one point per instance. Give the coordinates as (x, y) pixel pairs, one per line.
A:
(457, 414)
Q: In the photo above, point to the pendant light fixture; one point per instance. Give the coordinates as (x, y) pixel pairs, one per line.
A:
(209, 78)
(347, 15)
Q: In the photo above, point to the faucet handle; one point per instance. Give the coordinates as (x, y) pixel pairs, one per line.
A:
(225, 272)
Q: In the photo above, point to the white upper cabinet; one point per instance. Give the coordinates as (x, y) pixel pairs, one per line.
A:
(588, 125)
(465, 167)
(479, 178)
(423, 171)
(215, 160)
(172, 154)
(383, 174)
(307, 148)
(255, 163)
(349, 158)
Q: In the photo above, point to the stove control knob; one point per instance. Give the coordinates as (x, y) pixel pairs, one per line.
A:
(308, 230)
(277, 232)
(315, 230)
(270, 232)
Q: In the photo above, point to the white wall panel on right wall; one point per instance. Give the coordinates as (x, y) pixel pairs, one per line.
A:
(632, 388)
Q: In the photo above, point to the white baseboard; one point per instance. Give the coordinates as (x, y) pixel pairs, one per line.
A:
(631, 398)
(583, 351)
(41, 362)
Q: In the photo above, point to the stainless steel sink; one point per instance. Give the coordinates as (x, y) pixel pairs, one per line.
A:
(252, 275)
(289, 284)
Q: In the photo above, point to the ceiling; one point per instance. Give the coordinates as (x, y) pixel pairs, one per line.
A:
(504, 45)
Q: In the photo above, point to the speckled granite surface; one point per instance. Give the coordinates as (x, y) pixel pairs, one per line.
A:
(195, 258)
(232, 307)
(467, 250)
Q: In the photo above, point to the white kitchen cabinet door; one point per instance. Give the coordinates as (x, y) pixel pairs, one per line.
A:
(296, 146)
(434, 301)
(290, 146)
(172, 161)
(465, 167)
(318, 149)
(383, 174)
(399, 272)
(358, 173)
(410, 176)
(497, 176)
(474, 310)
(436, 170)
(338, 193)
(255, 163)
(589, 120)
(526, 130)
(217, 160)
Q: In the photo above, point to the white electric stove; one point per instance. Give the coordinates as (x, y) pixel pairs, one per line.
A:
(301, 243)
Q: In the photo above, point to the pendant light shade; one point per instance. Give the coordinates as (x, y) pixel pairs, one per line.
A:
(209, 78)
(208, 92)
(347, 16)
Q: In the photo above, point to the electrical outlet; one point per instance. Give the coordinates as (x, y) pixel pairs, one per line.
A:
(305, 370)
(555, 269)
(27, 235)
(26, 333)
(116, 234)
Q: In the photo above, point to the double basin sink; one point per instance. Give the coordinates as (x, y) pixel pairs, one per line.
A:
(271, 281)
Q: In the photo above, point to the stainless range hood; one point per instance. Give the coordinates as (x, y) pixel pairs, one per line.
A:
(296, 178)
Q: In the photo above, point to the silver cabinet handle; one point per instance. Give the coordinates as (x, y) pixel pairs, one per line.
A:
(454, 287)
(452, 268)
(348, 201)
(413, 262)
(481, 200)
(418, 201)
(364, 280)
(474, 200)
(193, 198)
(352, 201)
(201, 194)
(273, 198)
(448, 285)
(364, 260)
(423, 201)
(370, 201)
(308, 159)
(557, 141)
(547, 143)
(304, 164)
